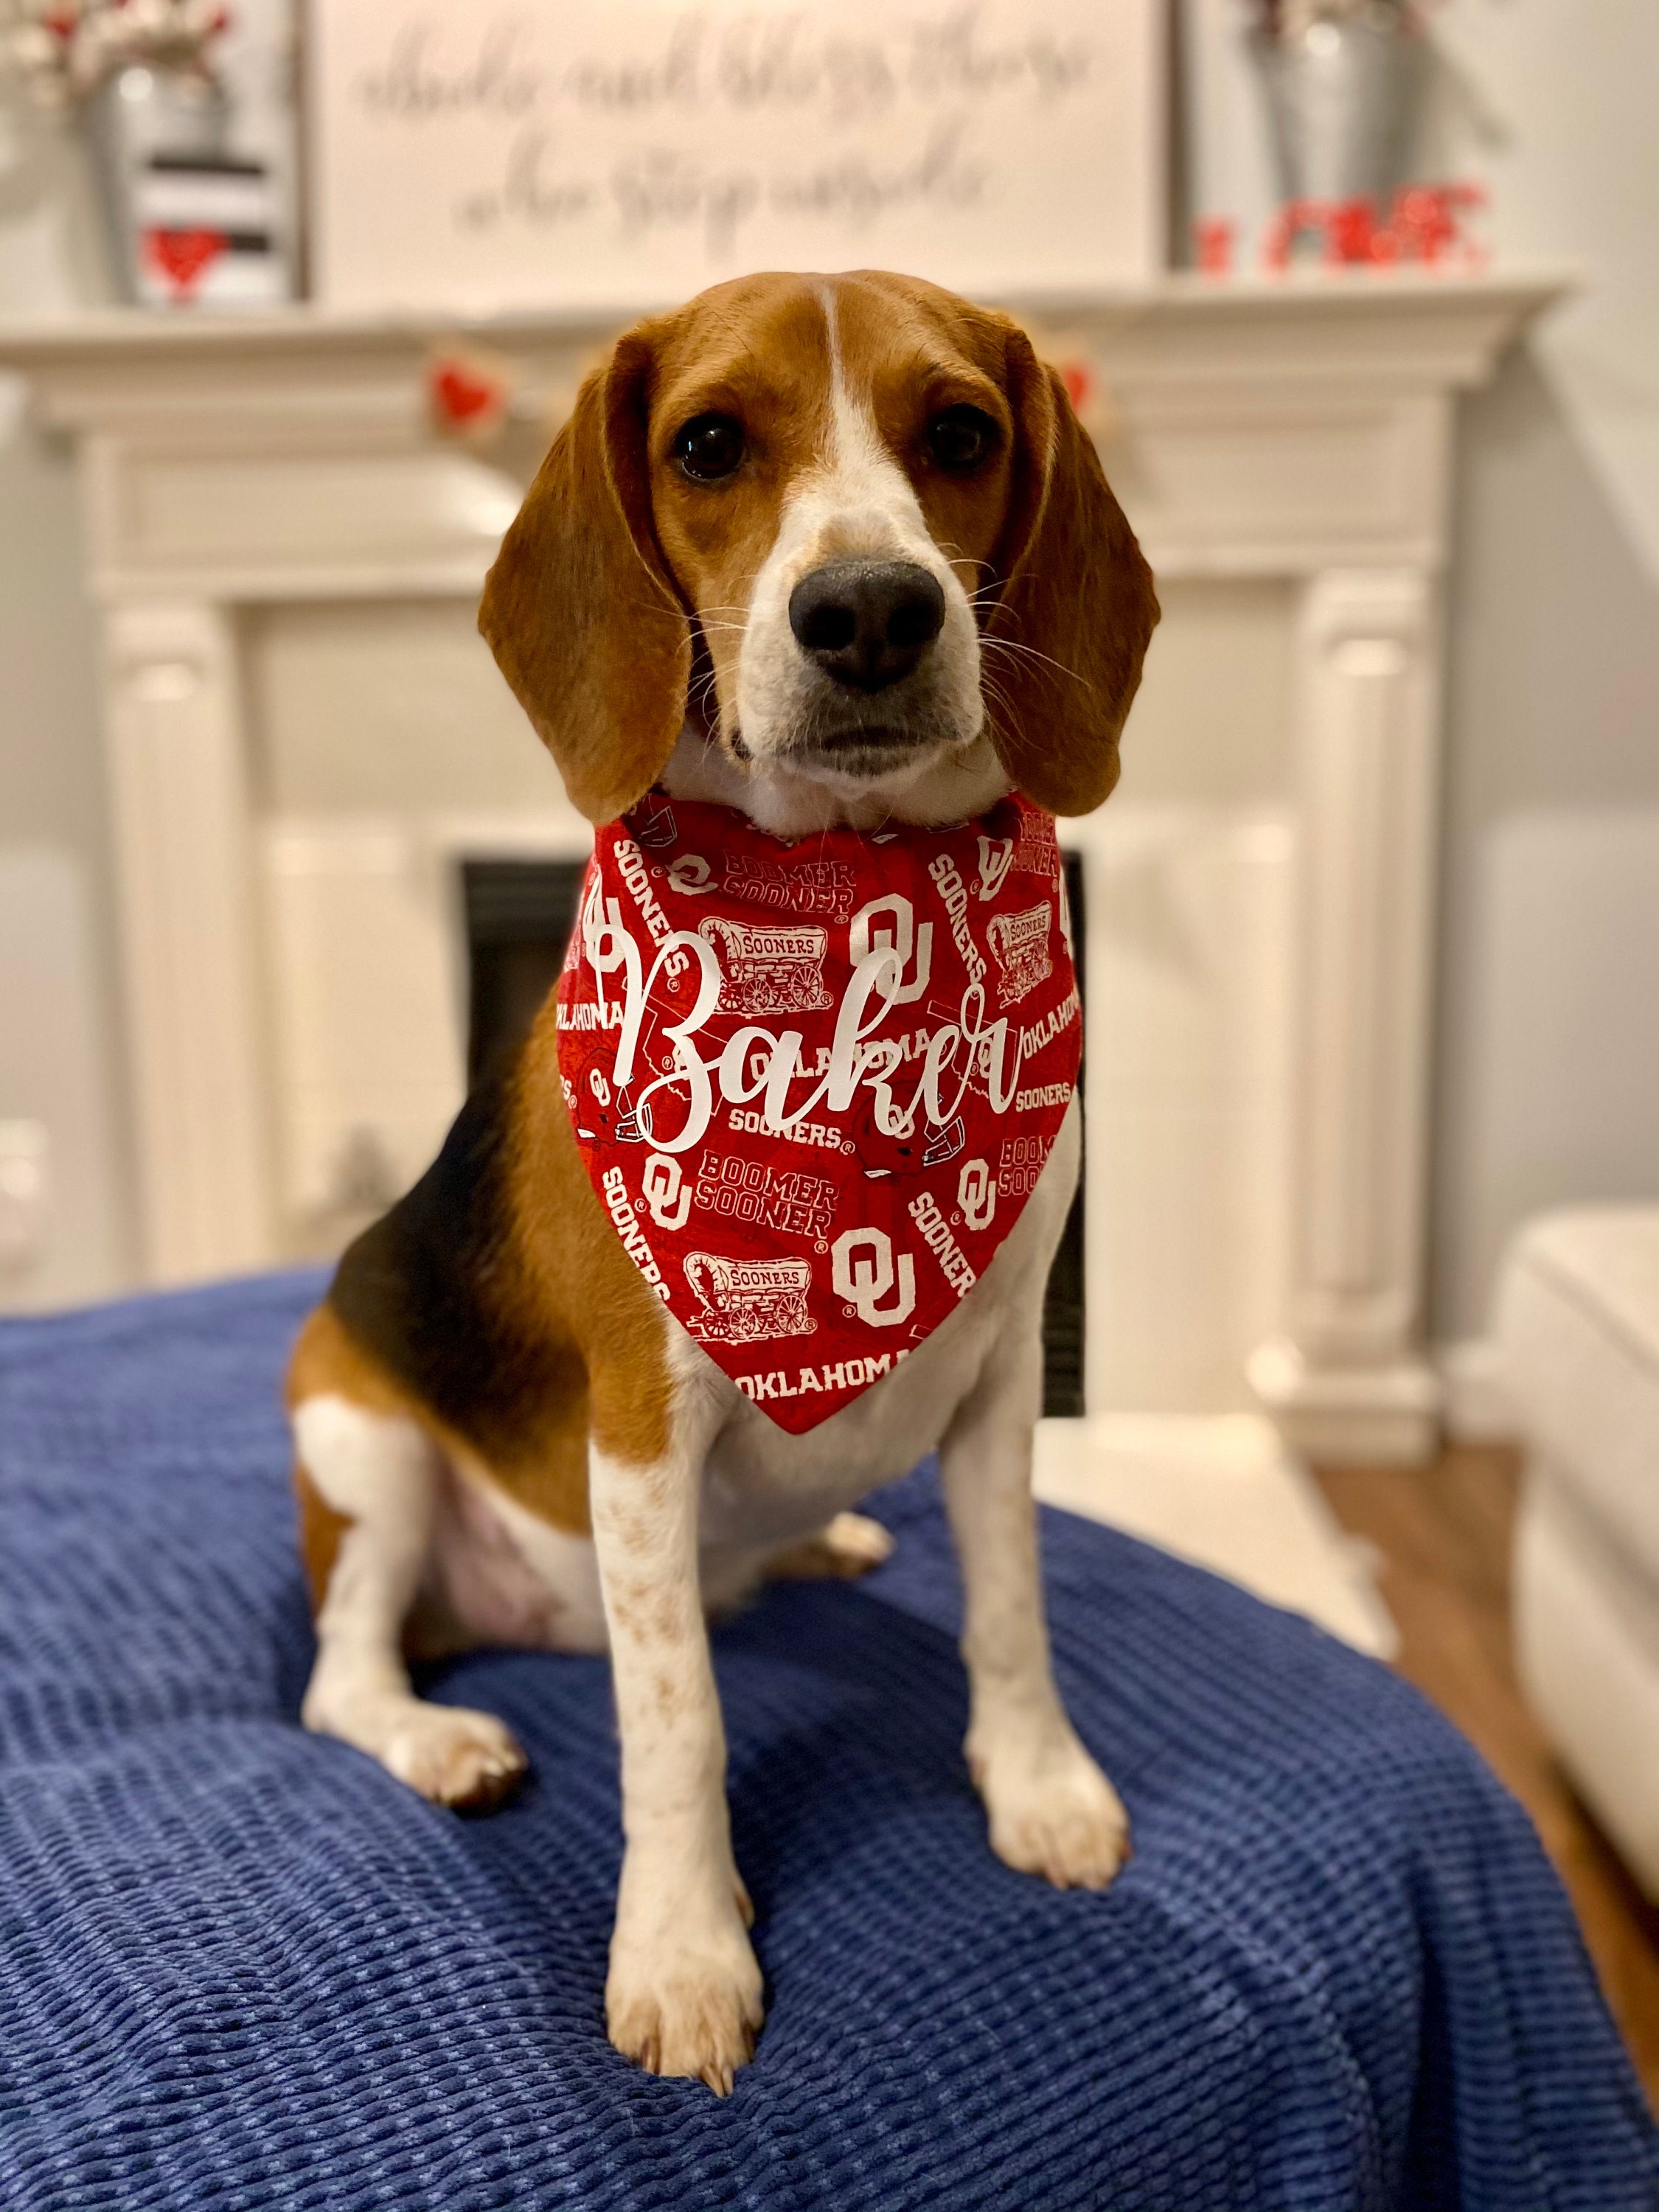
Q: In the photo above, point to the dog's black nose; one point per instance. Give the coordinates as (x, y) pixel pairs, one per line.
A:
(867, 622)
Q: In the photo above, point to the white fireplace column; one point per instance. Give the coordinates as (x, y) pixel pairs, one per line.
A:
(185, 864)
(1347, 1379)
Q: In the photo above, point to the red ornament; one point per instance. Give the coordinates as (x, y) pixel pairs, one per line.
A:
(1214, 236)
(183, 256)
(465, 396)
(1079, 378)
(1351, 230)
(1425, 223)
(1293, 219)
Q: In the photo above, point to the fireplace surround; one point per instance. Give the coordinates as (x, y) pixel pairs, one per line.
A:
(1297, 431)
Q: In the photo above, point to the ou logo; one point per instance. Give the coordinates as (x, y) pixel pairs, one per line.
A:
(690, 873)
(863, 1274)
(996, 857)
(666, 1193)
(872, 932)
(976, 1193)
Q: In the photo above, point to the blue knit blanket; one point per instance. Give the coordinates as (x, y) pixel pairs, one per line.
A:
(241, 1966)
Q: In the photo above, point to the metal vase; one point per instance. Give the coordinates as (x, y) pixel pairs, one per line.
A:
(137, 113)
(1344, 96)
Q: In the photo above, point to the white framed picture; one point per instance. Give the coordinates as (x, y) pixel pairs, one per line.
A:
(486, 155)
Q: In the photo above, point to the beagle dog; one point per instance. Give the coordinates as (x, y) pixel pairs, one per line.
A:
(835, 552)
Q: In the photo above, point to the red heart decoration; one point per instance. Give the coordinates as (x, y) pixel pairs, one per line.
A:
(182, 255)
(1079, 381)
(460, 398)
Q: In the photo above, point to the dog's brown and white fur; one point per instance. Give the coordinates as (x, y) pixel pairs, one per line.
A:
(501, 1436)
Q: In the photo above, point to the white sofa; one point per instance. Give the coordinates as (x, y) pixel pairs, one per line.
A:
(1578, 1324)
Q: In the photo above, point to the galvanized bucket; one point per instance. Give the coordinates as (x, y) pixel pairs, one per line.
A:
(139, 114)
(1344, 96)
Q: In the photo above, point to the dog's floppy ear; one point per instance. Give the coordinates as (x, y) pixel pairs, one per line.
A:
(580, 610)
(1076, 606)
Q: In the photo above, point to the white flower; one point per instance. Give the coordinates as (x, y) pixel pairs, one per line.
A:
(63, 50)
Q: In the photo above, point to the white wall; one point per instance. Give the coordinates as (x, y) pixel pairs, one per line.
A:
(60, 1043)
(1549, 1019)
(1548, 1046)
(59, 1046)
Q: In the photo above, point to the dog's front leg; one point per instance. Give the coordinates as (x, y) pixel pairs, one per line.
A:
(1052, 1811)
(684, 1995)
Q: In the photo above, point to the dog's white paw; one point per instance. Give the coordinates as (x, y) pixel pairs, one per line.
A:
(689, 2004)
(845, 1547)
(471, 1761)
(1055, 1815)
(854, 1543)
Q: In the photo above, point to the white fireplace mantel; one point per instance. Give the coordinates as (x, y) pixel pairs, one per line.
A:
(1291, 429)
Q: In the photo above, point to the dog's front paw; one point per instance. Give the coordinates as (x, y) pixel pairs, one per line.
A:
(687, 2004)
(470, 1761)
(847, 1547)
(1054, 1815)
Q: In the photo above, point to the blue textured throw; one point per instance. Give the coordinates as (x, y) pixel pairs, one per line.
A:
(241, 1966)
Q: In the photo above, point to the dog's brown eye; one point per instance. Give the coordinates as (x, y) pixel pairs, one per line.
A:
(961, 438)
(709, 446)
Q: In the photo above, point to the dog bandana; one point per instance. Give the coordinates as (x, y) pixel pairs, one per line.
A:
(814, 1084)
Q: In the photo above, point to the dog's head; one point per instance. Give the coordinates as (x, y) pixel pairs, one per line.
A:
(849, 528)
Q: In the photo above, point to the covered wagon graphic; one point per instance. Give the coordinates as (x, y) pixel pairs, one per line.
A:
(1019, 945)
(770, 968)
(748, 1301)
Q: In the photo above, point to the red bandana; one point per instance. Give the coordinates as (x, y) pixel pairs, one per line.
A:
(814, 1083)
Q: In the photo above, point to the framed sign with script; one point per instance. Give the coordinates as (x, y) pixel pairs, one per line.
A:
(484, 155)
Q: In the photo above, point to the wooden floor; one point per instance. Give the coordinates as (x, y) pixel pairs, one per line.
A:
(1443, 1535)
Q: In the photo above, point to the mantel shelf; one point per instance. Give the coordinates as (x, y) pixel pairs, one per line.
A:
(1416, 328)
(1324, 293)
